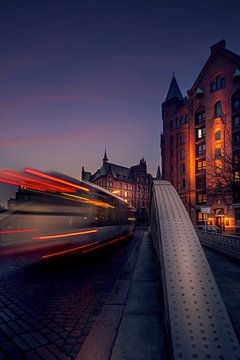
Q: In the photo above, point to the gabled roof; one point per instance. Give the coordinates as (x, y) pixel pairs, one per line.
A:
(216, 49)
(118, 172)
(173, 91)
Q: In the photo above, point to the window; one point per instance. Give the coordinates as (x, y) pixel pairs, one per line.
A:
(201, 149)
(236, 121)
(182, 139)
(177, 123)
(218, 83)
(182, 169)
(201, 198)
(200, 118)
(201, 182)
(171, 125)
(182, 120)
(218, 135)
(200, 134)
(186, 119)
(236, 159)
(218, 153)
(236, 105)
(218, 109)
(182, 154)
(201, 165)
(183, 183)
(237, 176)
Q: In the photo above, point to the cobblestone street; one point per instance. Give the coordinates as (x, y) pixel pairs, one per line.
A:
(48, 308)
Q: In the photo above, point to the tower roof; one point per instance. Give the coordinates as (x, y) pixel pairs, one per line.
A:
(105, 158)
(173, 91)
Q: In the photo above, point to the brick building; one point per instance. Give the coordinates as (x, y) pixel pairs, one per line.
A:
(200, 143)
(132, 184)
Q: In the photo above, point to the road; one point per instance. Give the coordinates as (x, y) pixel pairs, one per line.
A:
(47, 308)
(227, 274)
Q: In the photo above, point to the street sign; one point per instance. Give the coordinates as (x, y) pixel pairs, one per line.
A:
(205, 210)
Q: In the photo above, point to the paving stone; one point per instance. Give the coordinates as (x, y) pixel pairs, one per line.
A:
(40, 301)
(21, 343)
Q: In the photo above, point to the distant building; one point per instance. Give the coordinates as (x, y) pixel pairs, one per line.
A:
(200, 143)
(132, 184)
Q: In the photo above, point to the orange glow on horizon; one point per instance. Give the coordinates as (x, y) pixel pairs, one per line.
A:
(54, 178)
(64, 235)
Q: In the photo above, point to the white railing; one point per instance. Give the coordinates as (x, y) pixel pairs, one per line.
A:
(226, 244)
(198, 324)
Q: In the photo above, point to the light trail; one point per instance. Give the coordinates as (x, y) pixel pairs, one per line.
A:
(90, 201)
(54, 178)
(108, 243)
(68, 251)
(64, 235)
(17, 231)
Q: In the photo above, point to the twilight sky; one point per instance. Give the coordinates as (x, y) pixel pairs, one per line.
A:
(79, 76)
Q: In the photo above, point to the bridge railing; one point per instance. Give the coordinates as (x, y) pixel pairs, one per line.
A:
(198, 324)
(226, 244)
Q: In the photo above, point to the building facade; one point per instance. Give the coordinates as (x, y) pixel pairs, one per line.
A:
(132, 184)
(200, 143)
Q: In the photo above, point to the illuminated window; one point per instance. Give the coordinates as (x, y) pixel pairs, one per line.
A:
(237, 176)
(199, 133)
(218, 109)
(218, 135)
(201, 165)
(201, 198)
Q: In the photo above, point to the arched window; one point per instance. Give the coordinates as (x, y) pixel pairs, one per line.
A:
(218, 109)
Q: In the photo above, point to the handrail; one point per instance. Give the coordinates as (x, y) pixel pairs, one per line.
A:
(197, 320)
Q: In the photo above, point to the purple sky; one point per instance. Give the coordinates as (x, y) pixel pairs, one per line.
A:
(79, 76)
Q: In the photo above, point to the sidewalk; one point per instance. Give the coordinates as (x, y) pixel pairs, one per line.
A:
(130, 325)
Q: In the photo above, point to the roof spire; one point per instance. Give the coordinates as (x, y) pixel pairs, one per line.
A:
(105, 158)
(174, 91)
(159, 175)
